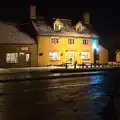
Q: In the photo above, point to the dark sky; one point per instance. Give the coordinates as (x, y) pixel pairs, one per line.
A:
(105, 16)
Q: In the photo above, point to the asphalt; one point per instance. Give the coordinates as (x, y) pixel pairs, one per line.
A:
(70, 98)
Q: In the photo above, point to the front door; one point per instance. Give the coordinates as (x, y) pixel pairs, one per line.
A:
(28, 59)
(71, 57)
(22, 59)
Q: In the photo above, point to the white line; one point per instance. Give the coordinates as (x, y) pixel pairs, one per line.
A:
(65, 86)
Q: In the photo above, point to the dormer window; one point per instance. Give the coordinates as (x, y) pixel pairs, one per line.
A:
(78, 29)
(56, 27)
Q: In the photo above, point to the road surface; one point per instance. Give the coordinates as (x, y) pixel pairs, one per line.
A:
(72, 98)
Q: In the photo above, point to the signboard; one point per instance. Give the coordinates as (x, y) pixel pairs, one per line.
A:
(24, 48)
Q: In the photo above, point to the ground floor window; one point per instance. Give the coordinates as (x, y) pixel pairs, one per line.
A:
(54, 56)
(85, 55)
(12, 57)
(27, 59)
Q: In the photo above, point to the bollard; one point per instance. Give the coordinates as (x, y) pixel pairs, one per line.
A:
(75, 63)
(66, 65)
(91, 65)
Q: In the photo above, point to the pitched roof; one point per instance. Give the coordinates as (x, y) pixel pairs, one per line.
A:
(10, 34)
(43, 28)
(87, 28)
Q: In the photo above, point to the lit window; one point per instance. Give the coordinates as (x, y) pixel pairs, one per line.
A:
(27, 57)
(85, 41)
(57, 27)
(54, 56)
(54, 40)
(85, 55)
(71, 41)
(12, 57)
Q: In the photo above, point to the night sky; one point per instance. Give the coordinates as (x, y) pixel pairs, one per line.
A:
(105, 16)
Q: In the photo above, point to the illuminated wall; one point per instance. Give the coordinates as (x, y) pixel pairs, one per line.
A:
(103, 55)
(118, 56)
(55, 50)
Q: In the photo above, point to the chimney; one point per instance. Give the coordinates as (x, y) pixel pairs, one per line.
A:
(86, 17)
(32, 11)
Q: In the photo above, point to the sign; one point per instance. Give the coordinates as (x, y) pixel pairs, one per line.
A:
(24, 48)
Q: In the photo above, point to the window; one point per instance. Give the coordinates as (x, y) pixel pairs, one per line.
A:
(54, 40)
(71, 41)
(78, 29)
(85, 55)
(12, 57)
(27, 57)
(57, 27)
(54, 56)
(85, 41)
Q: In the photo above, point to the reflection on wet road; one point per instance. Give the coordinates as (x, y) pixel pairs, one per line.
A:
(78, 98)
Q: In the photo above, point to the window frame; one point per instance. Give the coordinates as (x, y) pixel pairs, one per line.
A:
(71, 39)
(88, 55)
(85, 41)
(51, 58)
(12, 58)
(54, 40)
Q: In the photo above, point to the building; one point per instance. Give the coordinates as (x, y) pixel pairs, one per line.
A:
(17, 49)
(118, 56)
(103, 55)
(60, 41)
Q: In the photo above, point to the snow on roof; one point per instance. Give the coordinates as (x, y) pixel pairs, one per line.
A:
(67, 30)
(10, 34)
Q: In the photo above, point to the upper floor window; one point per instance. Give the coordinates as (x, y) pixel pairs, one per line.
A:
(56, 27)
(54, 40)
(85, 41)
(71, 41)
(78, 29)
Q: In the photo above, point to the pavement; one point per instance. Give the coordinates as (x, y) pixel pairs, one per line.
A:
(38, 73)
(46, 69)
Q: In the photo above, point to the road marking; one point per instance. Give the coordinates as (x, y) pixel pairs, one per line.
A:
(65, 86)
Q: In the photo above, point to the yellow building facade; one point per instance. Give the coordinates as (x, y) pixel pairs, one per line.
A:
(59, 41)
(59, 47)
(56, 54)
(62, 42)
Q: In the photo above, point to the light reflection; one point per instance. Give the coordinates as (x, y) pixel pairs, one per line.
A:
(96, 79)
(99, 99)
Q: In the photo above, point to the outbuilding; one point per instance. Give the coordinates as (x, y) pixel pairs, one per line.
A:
(17, 49)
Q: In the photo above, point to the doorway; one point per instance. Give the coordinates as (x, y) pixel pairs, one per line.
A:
(24, 59)
(71, 57)
(28, 59)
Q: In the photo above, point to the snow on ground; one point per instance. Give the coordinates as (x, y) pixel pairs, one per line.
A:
(40, 69)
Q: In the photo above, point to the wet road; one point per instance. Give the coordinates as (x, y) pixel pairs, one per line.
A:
(76, 98)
